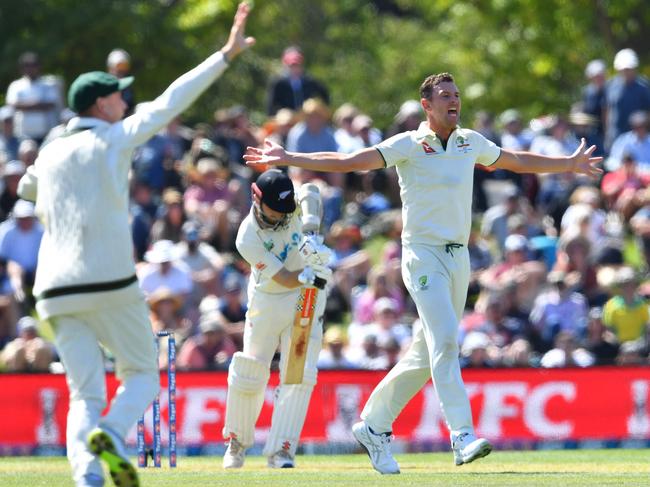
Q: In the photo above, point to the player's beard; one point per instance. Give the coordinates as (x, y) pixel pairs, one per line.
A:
(265, 223)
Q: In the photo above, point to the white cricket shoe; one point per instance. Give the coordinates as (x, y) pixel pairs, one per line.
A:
(235, 454)
(281, 459)
(378, 448)
(468, 448)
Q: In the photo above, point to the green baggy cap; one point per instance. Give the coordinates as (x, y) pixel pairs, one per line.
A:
(96, 84)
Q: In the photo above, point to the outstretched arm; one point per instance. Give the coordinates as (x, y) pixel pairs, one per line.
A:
(580, 162)
(275, 155)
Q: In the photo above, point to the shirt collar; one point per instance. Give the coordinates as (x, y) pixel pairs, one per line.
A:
(85, 123)
(424, 131)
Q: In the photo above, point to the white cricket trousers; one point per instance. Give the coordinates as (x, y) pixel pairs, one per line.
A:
(126, 332)
(437, 278)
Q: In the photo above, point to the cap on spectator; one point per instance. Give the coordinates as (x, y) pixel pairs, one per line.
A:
(161, 251)
(208, 165)
(85, 90)
(625, 275)
(26, 323)
(316, 106)
(638, 118)
(626, 59)
(6, 112)
(209, 304)
(341, 229)
(231, 283)
(172, 196)
(285, 116)
(515, 221)
(595, 68)
(596, 313)
(275, 190)
(292, 56)
(211, 322)
(384, 304)
(118, 57)
(408, 109)
(347, 111)
(509, 116)
(515, 242)
(164, 294)
(582, 119)
(334, 335)
(556, 277)
(14, 168)
(23, 209)
(361, 122)
(474, 340)
(191, 230)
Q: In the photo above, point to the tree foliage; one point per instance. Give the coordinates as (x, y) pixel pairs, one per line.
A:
(504, 53)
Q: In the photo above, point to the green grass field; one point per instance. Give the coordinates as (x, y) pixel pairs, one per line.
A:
(557, 468)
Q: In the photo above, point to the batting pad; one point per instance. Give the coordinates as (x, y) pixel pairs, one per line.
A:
(247, 378)
(289, 414)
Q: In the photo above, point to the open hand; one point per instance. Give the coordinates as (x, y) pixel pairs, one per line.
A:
(237, 42)
(582, 162)
(272, 153)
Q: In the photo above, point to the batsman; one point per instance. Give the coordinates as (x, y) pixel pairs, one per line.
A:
(286, 302)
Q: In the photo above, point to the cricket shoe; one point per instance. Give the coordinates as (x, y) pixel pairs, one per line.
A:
(281, 459)
(377, 447)
(90, 480)
(468, 448)
(235, 454)
(108, 447)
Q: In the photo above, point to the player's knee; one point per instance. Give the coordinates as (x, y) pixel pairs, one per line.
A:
(247, 374)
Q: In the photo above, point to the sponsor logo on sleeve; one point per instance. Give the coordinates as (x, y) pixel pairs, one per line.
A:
(260, 266)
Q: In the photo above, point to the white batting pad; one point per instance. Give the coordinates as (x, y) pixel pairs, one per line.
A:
(247, 378)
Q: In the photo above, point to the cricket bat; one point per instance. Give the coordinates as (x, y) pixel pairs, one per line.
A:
(310, 204)
(300, 332)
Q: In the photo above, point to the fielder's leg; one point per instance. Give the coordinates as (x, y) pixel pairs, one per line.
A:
(247, 378)
(83, 361)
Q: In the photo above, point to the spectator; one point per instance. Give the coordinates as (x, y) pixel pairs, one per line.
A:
(28, 352)
(378, 287)
(626, 93)
(233, 307)
(632, 353)
(209, 350)
(519, 354)
(386, 323)
(202, 259)
(600, 341)
(143, 212)
(566, 353)
(366, 133)
(27, 152)
(635, 142)
(495, 220)
(594, 99)
(293, 87)
(166, 314)
(333, 355)
(8, 140)
(234, 132)
(514, 137)
(640, 225)
(474, 351)
(58, 130)
(560, 309)
(13, 171)
(369, 356)
(163, 271)
(574, 256)
(626, 314)
(169, 221)
(277, 129)
(20, 240)
(516, 253)
(409, 117)
(345, 136)
(313, 134)
(35, 99)
(621, 187)
(118, 63)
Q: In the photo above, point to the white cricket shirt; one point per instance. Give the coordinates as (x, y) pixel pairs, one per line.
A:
(436, 182)
(267, 251)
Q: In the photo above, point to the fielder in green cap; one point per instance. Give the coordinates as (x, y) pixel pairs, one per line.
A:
(85, 284)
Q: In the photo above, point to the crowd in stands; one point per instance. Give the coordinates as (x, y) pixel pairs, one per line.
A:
(559, 262)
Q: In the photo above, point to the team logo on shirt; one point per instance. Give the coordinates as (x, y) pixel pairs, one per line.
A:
(268, 245)
(427, 148)
(260, 266)
(423, 282)
(462, 144)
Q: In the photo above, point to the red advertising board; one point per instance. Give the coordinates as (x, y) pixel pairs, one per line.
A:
(508, 405)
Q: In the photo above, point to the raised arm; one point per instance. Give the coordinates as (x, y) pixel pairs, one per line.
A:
(187, 88)
(275, 155)
(580, 162)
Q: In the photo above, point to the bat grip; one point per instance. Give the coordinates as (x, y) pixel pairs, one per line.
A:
(319, 282)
